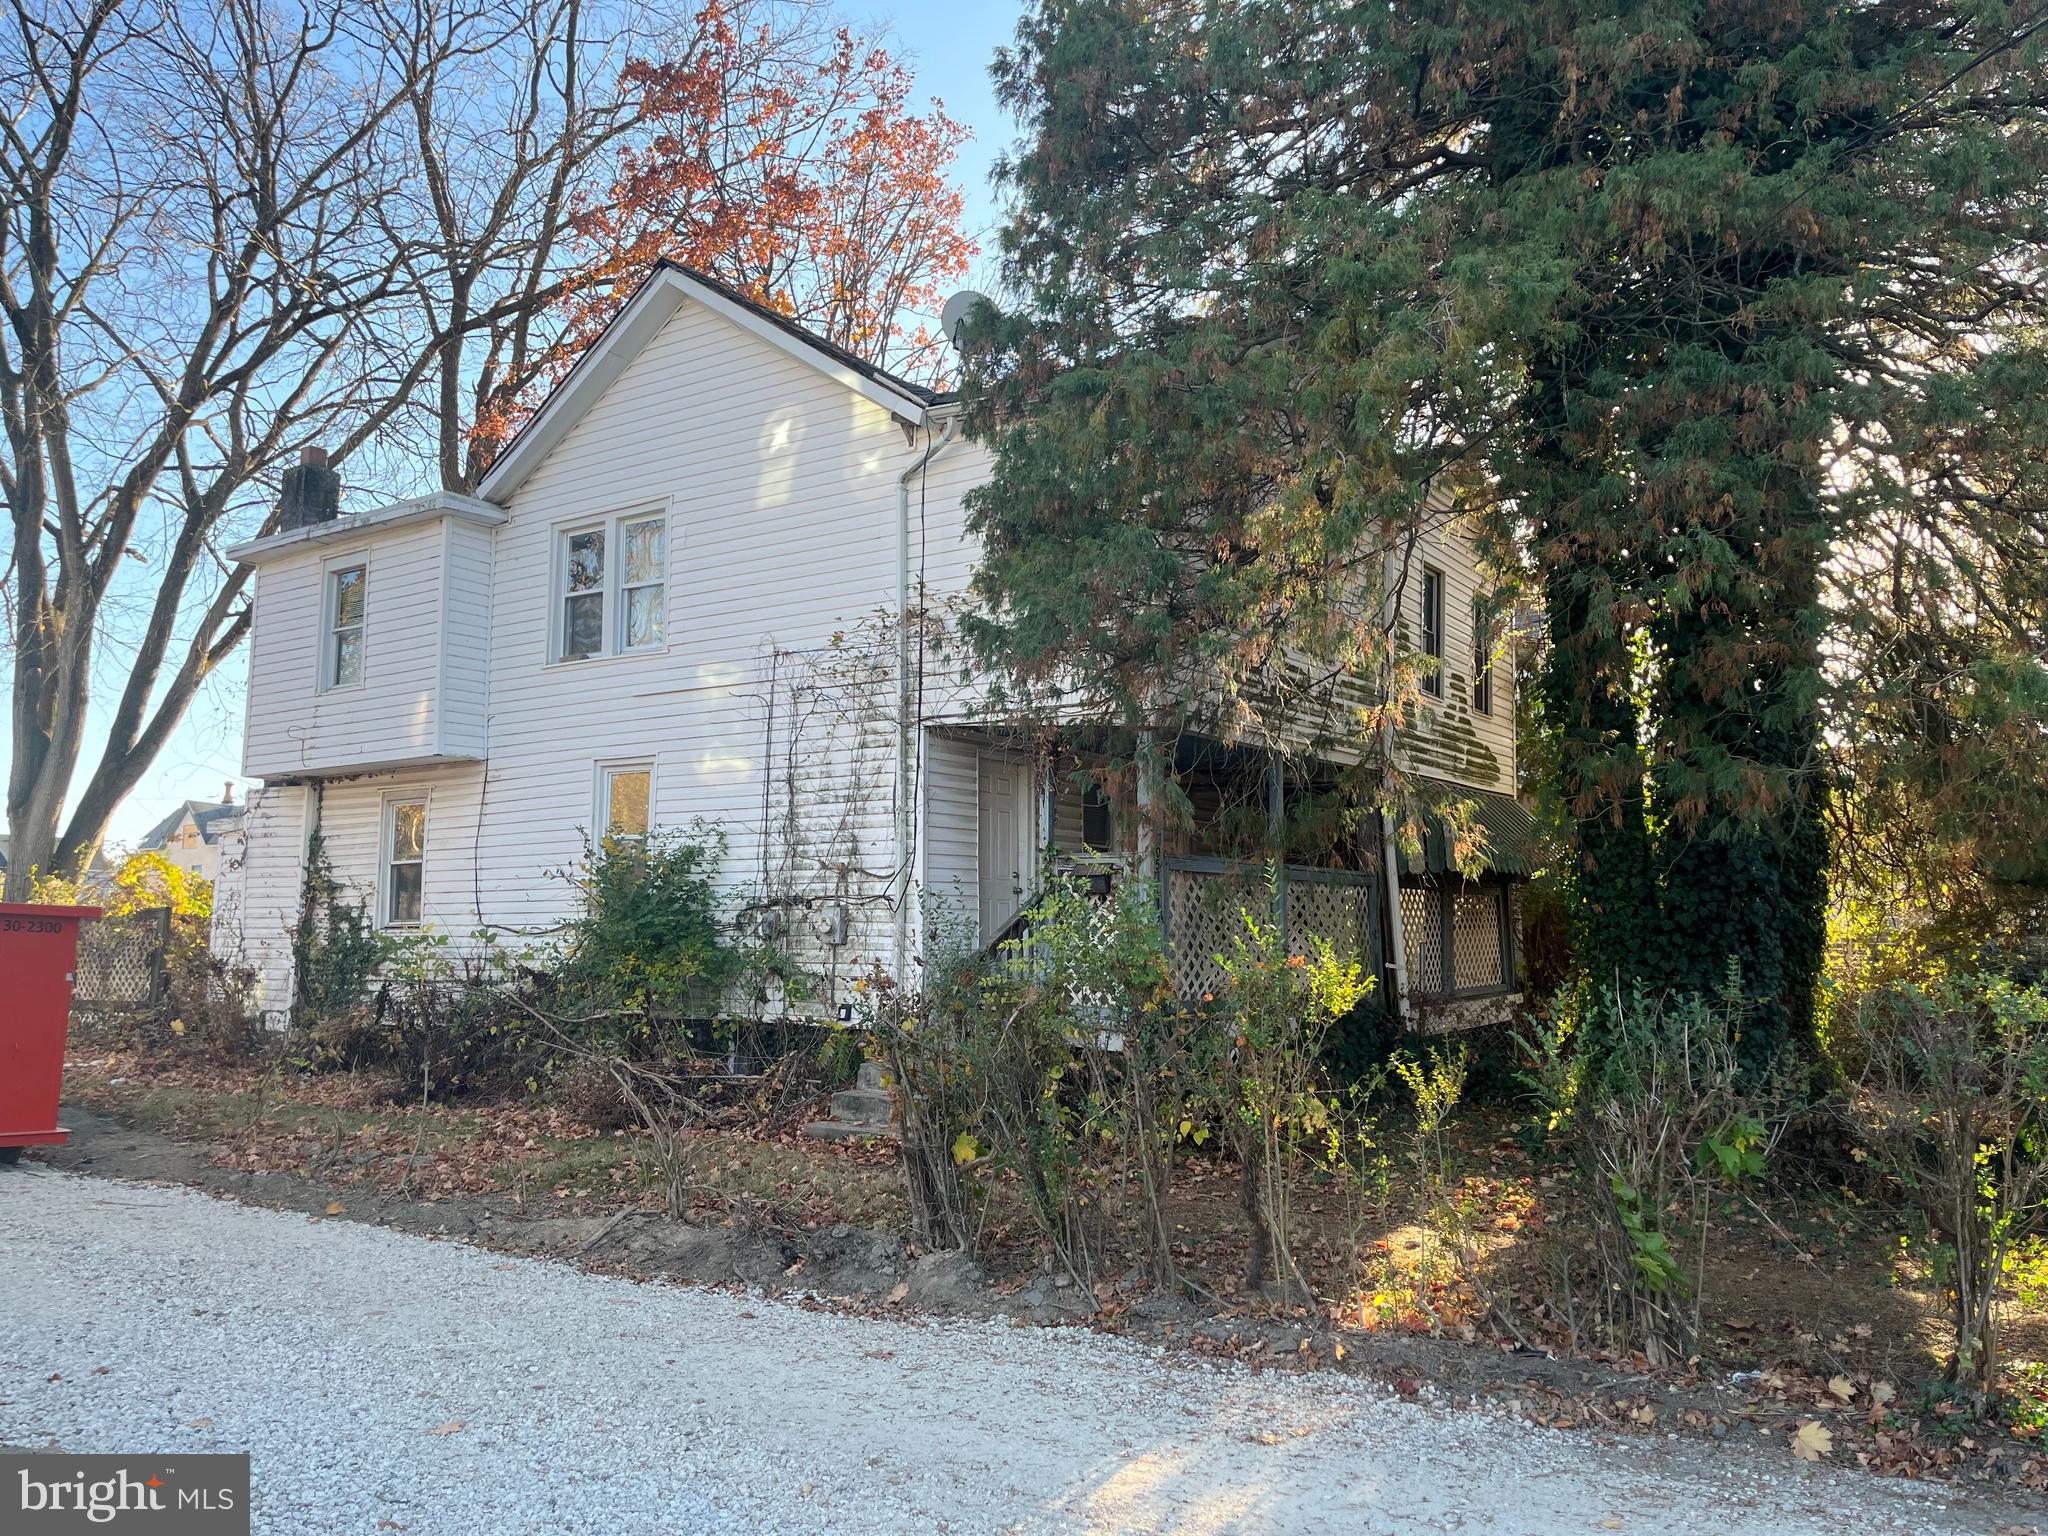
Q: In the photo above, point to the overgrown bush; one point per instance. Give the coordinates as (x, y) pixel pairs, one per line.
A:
(1655, 1116)
(204, 1008)
(648, 949)
(441, 1021)
(336, 948)
(1953, 1107)
(1274, 1095)
(918, 1035)
(1060, 1061)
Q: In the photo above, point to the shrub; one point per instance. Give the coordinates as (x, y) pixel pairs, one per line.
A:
(1275, 1097)
(336, 948)
(1952, 1107)
(441, 1022)
(648, 947)
(1648, 1094)
(1059, 1061)
(204, 1008)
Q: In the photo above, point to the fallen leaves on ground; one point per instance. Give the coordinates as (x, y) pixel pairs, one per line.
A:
(1812, 1440)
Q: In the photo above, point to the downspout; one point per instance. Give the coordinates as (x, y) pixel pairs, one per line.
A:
(906, 743)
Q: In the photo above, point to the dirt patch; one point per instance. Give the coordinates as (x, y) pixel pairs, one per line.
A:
(862, 1269)
(794, 1218)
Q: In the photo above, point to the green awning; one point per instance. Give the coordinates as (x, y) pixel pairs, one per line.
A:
(1512, 846)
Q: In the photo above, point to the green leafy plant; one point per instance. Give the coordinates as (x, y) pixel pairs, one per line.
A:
(648, 947)
(1059, 1061)
(1953, 1107)
(1648, 1095)
(1275, 1096)
(336, 948)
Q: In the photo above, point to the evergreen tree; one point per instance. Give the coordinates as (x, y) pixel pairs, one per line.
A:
(1685, 299)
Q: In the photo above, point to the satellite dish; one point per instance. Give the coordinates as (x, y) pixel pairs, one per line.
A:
(958, 308)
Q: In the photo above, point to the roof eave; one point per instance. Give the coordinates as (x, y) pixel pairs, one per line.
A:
(398, 514)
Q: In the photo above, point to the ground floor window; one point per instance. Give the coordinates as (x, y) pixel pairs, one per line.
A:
(625, 799)
(405, 860)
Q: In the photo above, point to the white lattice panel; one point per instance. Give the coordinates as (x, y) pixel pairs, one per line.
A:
(1422, 937)
(1328, 911)
(1202, 921)
(1475, 938)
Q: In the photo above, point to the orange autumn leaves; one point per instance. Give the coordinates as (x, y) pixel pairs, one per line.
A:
(788, 160)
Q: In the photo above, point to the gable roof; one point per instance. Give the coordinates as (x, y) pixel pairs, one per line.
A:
(666, 289)
(210, 818)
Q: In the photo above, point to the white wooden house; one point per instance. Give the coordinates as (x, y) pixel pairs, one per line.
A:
(675, 597)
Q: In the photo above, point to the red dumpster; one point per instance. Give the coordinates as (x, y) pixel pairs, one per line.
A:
(38, 948)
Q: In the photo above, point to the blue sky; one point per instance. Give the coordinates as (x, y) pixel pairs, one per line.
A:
(949, 47)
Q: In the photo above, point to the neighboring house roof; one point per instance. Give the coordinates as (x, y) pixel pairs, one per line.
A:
(210, 818)
(666, 289)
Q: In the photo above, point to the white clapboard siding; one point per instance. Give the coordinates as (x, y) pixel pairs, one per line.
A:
(952, 829)
(426, 640)
(257, 901)
(351, 819)
(1450, 739)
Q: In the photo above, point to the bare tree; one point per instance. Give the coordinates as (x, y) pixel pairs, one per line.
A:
(380, 226)
(187, 261)
(514, 109)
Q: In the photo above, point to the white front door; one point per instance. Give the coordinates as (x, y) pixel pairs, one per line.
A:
(1003, 842)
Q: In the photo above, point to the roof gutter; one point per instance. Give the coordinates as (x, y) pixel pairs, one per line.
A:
(906, 727)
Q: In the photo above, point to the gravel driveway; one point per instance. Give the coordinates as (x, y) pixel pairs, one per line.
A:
(342, 1356)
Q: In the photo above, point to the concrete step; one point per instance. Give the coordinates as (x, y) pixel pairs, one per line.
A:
(870, 1075)
(863, 1106)
(840, 1130)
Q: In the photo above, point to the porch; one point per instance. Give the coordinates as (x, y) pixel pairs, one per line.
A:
(998, 812)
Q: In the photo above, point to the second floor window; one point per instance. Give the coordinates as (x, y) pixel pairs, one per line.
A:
(1433, 630)
(612, 587)
(342, 666)
(1095, 823)
(1482, 663)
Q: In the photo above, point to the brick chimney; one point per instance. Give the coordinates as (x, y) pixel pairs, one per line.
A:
(309, 493)
(227, 793)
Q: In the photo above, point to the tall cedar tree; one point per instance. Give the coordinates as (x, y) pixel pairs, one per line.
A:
(1683, 299)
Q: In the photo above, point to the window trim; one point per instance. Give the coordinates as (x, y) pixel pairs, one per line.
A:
(601, 803)
(612, 632)
(620, 524)
(332, 568)
(1433, 617)
(387, 826)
